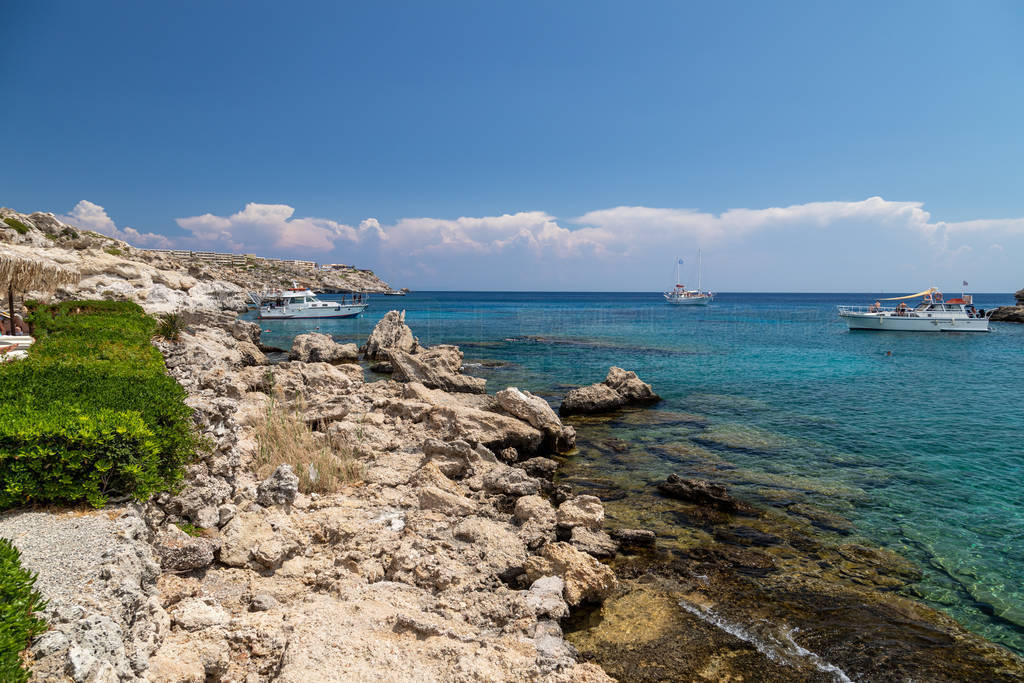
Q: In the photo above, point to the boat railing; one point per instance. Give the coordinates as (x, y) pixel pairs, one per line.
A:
(880, 310)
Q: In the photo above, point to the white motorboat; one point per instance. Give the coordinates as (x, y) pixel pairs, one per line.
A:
(932, 314)
(302, 302)
(681, 296)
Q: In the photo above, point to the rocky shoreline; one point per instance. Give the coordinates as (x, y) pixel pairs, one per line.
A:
(456, 552)
(1011, 314)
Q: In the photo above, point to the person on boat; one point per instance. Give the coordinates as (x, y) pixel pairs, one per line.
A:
(875, 307)
(902, 308)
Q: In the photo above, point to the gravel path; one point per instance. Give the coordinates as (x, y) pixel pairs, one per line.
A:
(63, 548)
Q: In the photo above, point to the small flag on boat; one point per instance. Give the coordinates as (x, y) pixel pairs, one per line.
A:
(680, 261)
(965, 283)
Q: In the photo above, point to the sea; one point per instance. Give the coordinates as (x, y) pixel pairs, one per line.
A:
(914, 438)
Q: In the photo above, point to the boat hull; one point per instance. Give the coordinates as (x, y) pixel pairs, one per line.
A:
(689, 301)
(890, 323)
(297, 313)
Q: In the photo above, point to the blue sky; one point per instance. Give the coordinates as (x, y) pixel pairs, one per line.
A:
(521, 145)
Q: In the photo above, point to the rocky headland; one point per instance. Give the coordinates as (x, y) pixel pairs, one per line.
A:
(1011, 314)
(418, 528)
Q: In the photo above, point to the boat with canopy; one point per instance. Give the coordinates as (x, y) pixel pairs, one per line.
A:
(302, 302)
(931, 314)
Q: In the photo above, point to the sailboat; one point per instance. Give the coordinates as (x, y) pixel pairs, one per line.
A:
(681, 296)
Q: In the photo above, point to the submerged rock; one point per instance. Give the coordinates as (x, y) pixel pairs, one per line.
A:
(635, 538)
(619, 389)
(701, 492)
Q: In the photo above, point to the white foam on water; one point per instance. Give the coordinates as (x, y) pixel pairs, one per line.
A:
(782, 649)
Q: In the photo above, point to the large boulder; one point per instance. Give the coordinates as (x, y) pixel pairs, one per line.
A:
(1019, 296)
(537, 412)
(438, 368)
(619, 389)
(391, 333)
(586, 579)
(321, 348)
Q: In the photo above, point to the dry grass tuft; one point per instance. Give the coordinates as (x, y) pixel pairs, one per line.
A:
(285, 438)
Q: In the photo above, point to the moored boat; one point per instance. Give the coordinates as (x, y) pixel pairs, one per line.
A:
(302, 302)
(681, 296)
(932, 314)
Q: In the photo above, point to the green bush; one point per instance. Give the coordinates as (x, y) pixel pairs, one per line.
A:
(90, 413)
(113, 251)
(18, 602)
(16, 225)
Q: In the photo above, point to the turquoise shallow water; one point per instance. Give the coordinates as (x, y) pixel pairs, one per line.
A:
(917, 432)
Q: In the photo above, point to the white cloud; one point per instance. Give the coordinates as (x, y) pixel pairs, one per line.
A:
(535, 231)
(89, 216)
(263, 227)
(641, 224)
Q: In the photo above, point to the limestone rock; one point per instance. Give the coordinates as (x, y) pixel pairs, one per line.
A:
(280, 488)
(533, 507)
(433, 498)
(321, 348)
(585, 578)
(390, 333)
(511, 481)
(498, 549)
(585, 511)
(455, 459)
(179, 552)
(545, 597)
(476, 426)
(538, 413)
(433, 372)
(195, 614)
(596, 543)
(620, 388)
(544, 468)
(258, 541)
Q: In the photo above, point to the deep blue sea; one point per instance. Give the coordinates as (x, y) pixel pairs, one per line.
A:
(914, 437)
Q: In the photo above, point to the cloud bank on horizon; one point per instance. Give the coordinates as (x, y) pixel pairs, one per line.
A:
(872, 244)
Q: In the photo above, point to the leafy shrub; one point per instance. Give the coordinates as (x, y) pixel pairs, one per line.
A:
(170, 326)
(16, 225)
(113, 251)
(68, 232)
(18, 602)
(90, 413)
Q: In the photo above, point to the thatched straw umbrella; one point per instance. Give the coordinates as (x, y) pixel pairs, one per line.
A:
(26, 271)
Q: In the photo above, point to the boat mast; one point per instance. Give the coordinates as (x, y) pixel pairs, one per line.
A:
(699, 271)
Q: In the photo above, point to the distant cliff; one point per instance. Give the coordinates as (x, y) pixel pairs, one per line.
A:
(249, 272)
